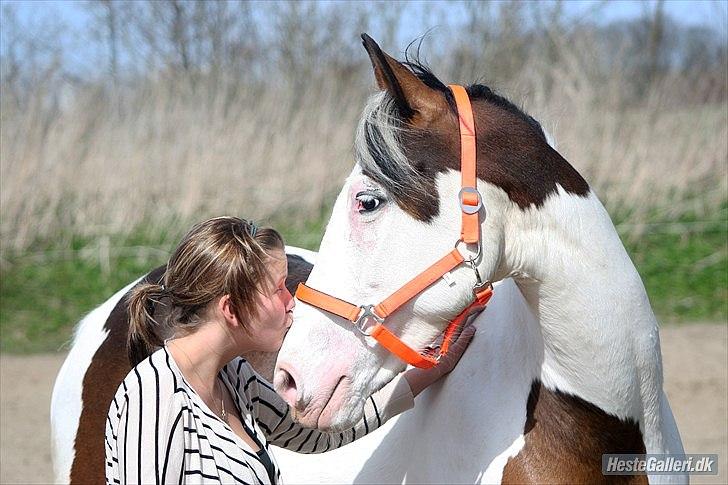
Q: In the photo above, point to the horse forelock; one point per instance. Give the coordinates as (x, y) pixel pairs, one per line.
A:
(380, 152)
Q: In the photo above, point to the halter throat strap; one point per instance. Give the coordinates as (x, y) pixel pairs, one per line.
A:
(369, 319)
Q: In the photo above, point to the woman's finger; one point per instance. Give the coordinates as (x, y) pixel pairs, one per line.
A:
(457, 349)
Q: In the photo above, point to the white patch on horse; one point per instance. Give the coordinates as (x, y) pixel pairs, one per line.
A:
(600, 334)
(308, 256)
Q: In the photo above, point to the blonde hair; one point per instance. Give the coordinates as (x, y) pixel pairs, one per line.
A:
(220, 256)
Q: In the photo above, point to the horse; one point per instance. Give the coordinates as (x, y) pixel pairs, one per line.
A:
(584, 370)
(468, 428)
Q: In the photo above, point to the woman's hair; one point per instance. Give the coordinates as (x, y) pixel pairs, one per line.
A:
(221, 256)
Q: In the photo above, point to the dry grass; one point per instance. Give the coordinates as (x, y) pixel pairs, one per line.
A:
(93, 168)
(108, 164)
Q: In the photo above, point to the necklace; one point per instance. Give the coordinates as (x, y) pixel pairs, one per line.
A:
(223, 414)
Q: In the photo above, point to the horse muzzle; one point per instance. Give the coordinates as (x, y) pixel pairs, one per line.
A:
(312, 410)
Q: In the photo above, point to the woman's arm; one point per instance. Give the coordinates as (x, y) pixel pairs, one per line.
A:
(396, 397)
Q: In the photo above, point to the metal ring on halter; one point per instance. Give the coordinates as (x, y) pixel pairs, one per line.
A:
(367, 311)
(477, 254)
(470, 209)
(484, 284)
(479, 283)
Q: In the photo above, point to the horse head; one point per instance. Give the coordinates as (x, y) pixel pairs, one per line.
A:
(397, 213)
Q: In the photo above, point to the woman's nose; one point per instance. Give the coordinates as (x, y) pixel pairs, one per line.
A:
(291, 303)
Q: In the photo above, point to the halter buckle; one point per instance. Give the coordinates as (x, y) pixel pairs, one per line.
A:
(481, 285)
(467, 208)
(366, 315)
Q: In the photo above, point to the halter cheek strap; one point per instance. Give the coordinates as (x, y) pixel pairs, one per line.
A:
(369, 319)
(470, 200)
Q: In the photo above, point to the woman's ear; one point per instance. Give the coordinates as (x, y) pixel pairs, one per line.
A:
(225, 307)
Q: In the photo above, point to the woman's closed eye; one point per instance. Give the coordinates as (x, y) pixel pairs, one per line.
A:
(281, 286)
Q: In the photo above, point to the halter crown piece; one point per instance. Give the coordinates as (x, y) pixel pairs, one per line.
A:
(369, 319)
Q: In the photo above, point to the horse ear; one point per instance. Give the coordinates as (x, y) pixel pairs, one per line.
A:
(413, 97)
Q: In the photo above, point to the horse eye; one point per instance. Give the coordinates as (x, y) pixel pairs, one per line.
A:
(367, 202)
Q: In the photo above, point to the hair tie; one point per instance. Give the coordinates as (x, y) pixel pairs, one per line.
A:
(252, 229)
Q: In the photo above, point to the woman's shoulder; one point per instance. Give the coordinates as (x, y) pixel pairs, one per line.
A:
(154, 378)
(245, 378)
(239, 369)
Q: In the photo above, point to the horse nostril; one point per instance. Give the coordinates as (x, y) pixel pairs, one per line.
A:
(285, 385)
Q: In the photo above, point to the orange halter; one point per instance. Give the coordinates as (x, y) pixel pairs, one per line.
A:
(470, 203)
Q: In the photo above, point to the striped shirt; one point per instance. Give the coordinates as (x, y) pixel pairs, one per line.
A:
(159, 430)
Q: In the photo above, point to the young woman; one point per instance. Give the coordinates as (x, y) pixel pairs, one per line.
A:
(194, 411)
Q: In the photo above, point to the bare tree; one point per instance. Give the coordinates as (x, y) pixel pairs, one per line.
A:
(656, 40)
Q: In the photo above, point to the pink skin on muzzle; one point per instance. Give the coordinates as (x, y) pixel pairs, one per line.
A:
(313, 410)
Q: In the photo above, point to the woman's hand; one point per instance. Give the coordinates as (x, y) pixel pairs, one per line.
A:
(420, 379)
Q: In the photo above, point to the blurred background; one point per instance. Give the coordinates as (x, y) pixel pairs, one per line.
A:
(122, 123)
(125, 122)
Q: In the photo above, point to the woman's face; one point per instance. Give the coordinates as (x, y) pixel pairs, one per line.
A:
(275, 306)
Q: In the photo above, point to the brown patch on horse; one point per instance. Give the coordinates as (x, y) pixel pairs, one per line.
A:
(298, 271)
(513, 153)
(109, 366)
(565, 438)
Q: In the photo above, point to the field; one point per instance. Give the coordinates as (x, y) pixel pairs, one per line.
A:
(196, 109)
(44, 294)
(695, 386)
(116, 196)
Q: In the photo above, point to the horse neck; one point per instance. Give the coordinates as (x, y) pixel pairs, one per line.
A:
(600, 336)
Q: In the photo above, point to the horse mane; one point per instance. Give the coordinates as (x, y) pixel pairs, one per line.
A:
(414, 62)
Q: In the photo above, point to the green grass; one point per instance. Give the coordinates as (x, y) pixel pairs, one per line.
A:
(41, 301)
(684, 266)
(44, 293)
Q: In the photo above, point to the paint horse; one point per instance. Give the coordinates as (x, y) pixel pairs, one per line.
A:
(494, 416)
(585, 375)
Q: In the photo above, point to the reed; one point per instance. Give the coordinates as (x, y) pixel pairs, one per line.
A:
(112, 163)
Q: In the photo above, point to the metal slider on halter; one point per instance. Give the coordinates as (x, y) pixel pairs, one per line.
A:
(473, 208)
(367, 312)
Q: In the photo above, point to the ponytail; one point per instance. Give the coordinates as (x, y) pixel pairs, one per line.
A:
(144, 331)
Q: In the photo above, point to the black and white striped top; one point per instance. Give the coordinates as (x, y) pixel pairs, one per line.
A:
(159, 430)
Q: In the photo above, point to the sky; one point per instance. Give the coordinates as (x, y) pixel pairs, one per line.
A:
(712, 13)
(693, 12)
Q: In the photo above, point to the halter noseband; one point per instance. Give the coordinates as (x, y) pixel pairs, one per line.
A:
(369, 319)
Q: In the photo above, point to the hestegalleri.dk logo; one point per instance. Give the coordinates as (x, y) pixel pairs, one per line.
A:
(653, 464)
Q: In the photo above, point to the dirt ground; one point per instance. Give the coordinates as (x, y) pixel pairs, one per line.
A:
(696, 381)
